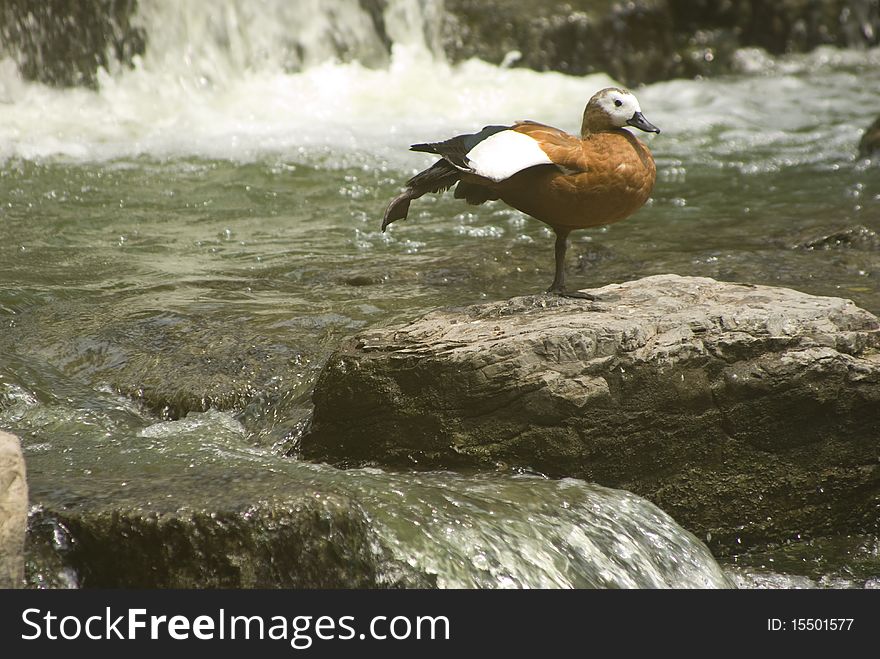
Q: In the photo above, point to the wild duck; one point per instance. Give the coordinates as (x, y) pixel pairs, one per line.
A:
(567, 182)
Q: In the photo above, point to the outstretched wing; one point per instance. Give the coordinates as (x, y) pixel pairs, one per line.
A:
(495, 153)
(439, 177)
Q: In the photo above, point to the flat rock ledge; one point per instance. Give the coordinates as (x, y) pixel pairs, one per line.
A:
(749, 413)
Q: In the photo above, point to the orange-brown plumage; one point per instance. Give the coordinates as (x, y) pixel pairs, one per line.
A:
(565, 181)
(611, 174)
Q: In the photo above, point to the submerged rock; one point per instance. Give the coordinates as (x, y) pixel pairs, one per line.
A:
(13, 511)
(175, 364)
(308, 540)
(859, 238)
(749, 413)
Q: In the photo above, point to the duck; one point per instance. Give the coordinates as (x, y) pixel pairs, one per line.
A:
(566, 181)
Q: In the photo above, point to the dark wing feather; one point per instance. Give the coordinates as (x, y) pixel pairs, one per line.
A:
(455, 150)
(474, 193)
(439, 177)
(443, 174)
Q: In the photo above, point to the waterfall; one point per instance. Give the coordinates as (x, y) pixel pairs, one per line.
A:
(211, 40)
(68, 44)
(217, 39)
(333, 82)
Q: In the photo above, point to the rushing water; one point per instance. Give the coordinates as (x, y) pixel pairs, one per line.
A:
(198, 233)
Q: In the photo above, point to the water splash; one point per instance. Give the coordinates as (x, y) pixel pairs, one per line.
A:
(527, 532)
(447, 530)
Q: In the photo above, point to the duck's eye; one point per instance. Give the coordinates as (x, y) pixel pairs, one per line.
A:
(618, 102)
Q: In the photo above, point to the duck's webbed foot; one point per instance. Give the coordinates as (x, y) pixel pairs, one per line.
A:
(576, 295)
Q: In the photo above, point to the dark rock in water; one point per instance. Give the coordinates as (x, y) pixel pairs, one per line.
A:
(191, 504)
(858, 237)
(869, 145)
(806, 564)
(648, 40)
(311, 540)
(362, 279)
(749, 413)
(785, 25)
(13, 511)
(65, 43)
(633, 42)
(316, 539)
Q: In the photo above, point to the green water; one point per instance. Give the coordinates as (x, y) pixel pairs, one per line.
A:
(239, 279)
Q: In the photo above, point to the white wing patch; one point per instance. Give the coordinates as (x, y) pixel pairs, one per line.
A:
(503, 154)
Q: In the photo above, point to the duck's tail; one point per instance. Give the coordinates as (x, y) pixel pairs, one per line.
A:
(439, 177)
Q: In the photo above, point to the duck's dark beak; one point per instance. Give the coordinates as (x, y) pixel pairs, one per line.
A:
(638, 121)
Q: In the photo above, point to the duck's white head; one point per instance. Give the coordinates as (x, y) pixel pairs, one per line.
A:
(614, 108)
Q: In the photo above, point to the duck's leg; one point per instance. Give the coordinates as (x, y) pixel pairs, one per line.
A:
(558, 285)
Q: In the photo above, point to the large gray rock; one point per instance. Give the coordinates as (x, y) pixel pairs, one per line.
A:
(749, 413)
(13, 511)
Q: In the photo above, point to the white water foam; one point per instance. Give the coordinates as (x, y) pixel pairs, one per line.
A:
(240, 80)
(224, 84)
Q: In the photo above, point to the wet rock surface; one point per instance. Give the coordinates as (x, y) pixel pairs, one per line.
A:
(13, 511)
(65, 43)
(746, 412)
(649, 40)
(173, 509)
(633, 42)
(859, 238)
(309, 539)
